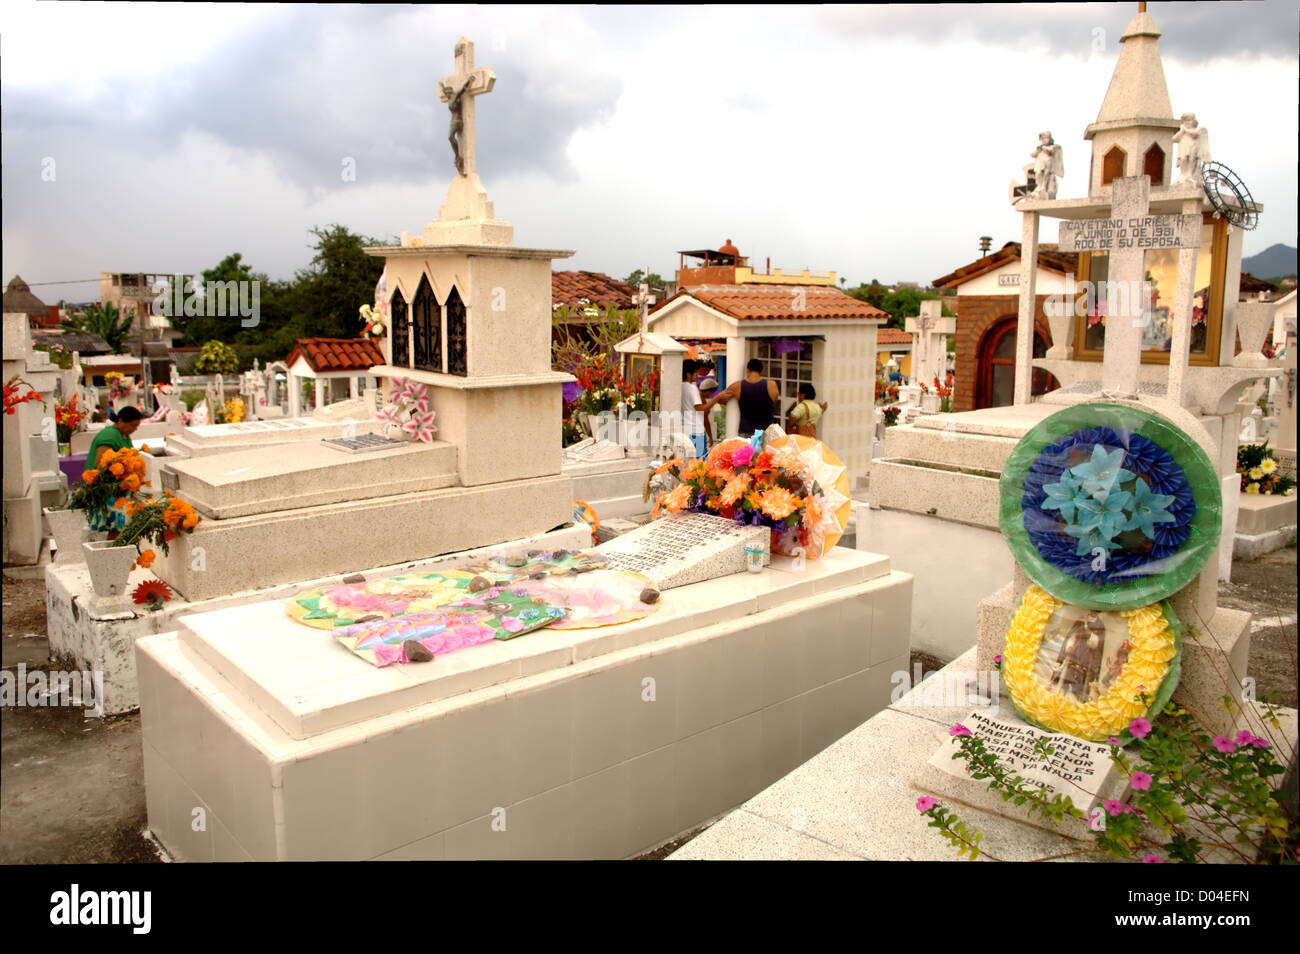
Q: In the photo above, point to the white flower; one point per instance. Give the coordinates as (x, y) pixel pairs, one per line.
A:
(1268, 465)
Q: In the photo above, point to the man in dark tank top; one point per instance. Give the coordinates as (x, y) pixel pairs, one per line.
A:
(756, 395)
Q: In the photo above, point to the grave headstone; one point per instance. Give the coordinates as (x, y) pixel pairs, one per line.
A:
(684, 548)
(1082, 770)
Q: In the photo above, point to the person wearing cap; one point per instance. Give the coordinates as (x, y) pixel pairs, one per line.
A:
(115, 436)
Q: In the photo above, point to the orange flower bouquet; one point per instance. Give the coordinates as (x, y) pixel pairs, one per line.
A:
(793, 485)
(156, 521)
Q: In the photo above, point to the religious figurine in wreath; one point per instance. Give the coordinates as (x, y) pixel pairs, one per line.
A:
(1042, 174)
(1193, 141)
(1079, 661)
(454, 97)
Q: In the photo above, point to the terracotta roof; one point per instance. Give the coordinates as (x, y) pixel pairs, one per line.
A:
(1048, 257)
(892, 336)
(777, 302)
(336, 354)
(570, 288)
(70, 341)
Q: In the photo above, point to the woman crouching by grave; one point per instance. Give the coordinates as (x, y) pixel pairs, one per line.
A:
(104, 449)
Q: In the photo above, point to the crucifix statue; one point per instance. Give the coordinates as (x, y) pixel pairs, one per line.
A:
(643, 300)
(458, 92)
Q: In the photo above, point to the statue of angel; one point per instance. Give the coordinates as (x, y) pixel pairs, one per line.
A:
(1042, 174)
(1193, 142)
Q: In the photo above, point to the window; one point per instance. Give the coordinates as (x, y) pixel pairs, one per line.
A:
(1153, 165)
(1112, 165)
(426, 321)
(457, 335)
(788, 368)
(1162, 274)
(400, 331)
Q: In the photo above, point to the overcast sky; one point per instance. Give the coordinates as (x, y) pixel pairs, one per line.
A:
(877, 141)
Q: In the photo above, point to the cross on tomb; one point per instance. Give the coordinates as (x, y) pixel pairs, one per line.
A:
(458, 91)
(1126, 236)
(643, 300)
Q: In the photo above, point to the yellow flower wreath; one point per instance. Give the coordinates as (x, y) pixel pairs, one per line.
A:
(1153, 648)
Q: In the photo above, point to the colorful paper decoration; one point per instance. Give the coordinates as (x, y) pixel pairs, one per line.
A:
(598, 598)
(492, 614)
(1108, 506)
(1089, 673)
(343, 605)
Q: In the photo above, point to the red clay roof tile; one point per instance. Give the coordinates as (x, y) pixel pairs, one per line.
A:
(570, 288)
(337, 354)
(779, 302)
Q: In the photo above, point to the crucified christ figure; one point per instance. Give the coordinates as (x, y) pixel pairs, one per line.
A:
(454, 97)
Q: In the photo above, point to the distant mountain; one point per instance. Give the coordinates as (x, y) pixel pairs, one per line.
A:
(1274, 262)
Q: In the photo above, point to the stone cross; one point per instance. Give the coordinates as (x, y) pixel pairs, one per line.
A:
(1127, 235)
(643, 300)
(459, 91)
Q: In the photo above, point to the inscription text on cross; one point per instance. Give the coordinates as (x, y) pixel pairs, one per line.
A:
(1126, 236)
(458, 91)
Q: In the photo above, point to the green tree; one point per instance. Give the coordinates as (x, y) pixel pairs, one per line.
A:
(216, 358)
(103, 320)
(639, 276)
(340, 279)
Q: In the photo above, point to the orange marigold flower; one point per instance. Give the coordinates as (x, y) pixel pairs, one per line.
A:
(120, 503)
(679, 497)
(146, 559)
(735, 489)
(131, 483)
(116, 469)
(190, 521)
(89, 476)
(169, 535)
(778, 503)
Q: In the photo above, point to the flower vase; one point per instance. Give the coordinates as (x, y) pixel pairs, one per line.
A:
(109, 566)
(68, 527)
(65, 448)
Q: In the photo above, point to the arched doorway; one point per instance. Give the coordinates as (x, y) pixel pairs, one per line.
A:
(995, 369)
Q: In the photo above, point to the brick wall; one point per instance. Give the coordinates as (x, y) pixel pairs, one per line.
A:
(975, 315)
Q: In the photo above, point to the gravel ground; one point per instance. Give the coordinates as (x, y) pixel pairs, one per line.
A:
(72, 788)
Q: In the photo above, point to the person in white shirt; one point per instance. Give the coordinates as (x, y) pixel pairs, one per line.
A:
(692, 407)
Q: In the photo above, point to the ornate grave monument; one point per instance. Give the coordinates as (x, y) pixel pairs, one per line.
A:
(561, 743)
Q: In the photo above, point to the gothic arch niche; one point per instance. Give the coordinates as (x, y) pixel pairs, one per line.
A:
(457, 335)
(1153, 165)
(1112, 164)
(426, 322)
(401, 323)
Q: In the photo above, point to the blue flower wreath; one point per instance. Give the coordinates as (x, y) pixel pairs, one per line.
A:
(1096, 491)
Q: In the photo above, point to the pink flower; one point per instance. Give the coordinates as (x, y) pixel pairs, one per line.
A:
(958, 730)
(1153, 859)
(1224, 744)
(421, 426)
(418, 394)
(741, 456)
(1113, 807)
(1140, 781)
(1244, 737)
(997, 660)
(1259, 743)
(1140, 728)
(1113, 741)
(390, 415)
(925, 803)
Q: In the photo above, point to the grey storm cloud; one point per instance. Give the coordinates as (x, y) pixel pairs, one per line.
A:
(291, 90)
(1193, 32)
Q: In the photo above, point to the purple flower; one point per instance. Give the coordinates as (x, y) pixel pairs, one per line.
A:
(958, 730)
(1113, 807)
(1224, 744)
(1140, 781)
(1140, 728)
(571, 390)
(1153, 859)
(925, 803)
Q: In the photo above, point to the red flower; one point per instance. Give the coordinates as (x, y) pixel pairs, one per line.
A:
(152, 591)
